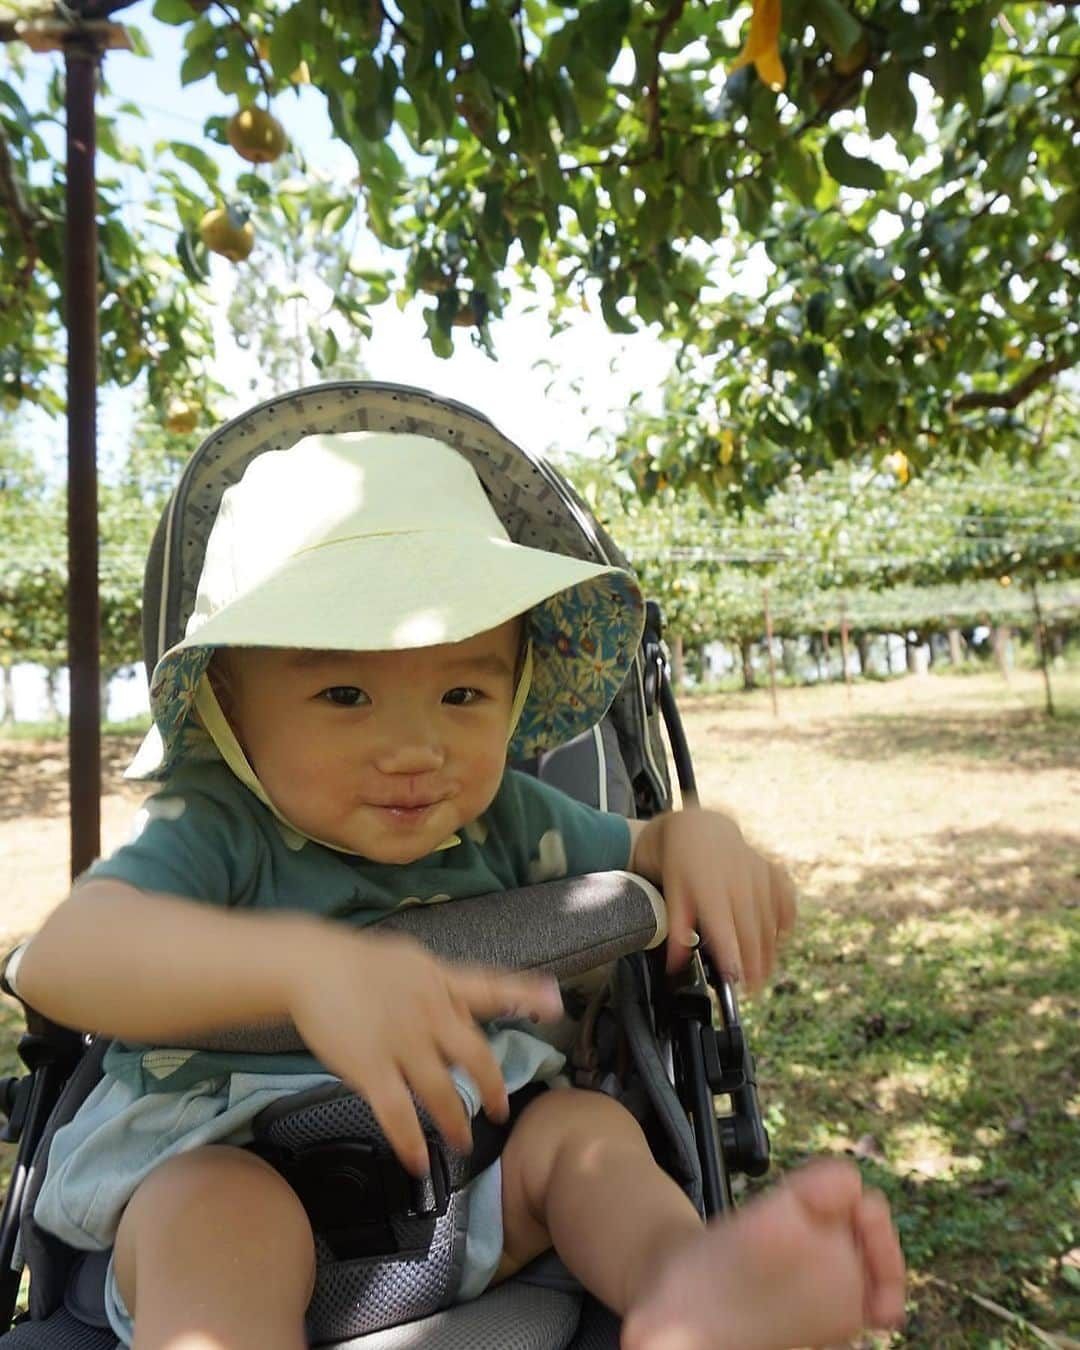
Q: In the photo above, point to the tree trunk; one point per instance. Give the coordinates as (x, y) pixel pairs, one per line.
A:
(844, 651)
(788, 657)
(769, 648)
(1044, 655)
(999, 637)
(746, 648)
(51, 697)
(678, 664)
(104, 680)
(9, 695)
(956, 647)
(816, 653)
(862, 646)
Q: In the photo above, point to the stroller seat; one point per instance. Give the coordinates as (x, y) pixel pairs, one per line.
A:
(649, 1042)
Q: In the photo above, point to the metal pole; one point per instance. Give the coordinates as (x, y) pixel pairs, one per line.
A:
(82, 56)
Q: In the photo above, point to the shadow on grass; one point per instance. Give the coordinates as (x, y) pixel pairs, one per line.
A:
(993, 871)
(34, 774)
(938, 1043)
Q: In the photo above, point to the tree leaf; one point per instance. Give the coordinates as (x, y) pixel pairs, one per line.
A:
(798, 170)
(196, 159)
(498, 49)
(890, 104)
(849, 169)
(752, 201)
(836, 24)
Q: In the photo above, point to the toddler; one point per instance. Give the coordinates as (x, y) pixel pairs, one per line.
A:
(366, 647)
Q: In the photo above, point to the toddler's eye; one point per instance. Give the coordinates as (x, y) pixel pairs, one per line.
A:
(461, 697)
(344, 696)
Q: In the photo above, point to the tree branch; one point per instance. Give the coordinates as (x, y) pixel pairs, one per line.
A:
(1010, 398)
(663, 28)
(253, 51)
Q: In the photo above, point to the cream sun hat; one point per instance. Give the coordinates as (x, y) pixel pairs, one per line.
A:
(386, 541)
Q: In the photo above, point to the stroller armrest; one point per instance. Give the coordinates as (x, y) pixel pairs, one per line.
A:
(564, 927)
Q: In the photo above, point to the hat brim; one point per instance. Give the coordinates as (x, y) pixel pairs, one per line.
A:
(390, 593)
(396, 592)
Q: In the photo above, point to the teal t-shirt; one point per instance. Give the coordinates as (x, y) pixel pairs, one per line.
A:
(204, 836)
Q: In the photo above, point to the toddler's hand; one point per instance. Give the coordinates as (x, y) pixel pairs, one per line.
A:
(713, 880)
(387, 1017)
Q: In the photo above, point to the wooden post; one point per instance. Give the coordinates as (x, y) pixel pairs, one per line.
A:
(1044, 655)
(844, 645)
(768, 645)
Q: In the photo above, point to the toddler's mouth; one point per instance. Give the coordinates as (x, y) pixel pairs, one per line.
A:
(404, 811)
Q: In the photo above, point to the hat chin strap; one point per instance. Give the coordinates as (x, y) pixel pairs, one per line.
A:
(221, 733)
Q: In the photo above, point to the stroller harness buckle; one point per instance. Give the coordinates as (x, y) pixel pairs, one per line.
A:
(351, 1190)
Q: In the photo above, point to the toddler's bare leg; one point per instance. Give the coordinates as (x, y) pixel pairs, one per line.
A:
(214, 1252)
(577, 1174)
(812, 1262)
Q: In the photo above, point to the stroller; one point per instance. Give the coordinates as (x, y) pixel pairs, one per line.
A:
(667, 1048)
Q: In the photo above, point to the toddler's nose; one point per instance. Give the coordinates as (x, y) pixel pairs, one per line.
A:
(410, 756)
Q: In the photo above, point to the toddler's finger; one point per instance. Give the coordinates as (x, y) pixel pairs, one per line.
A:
(747, 906)
(681, 938)
(490, 993)
(787, 905)
(393, 1108)
(463, 1045)
(884, 1261)
(719, 925)
(430, 1080)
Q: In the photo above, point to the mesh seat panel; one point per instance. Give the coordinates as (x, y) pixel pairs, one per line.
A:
(61, 1331)
(510, 1317)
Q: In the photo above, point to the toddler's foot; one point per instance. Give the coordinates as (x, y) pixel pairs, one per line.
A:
(813, 1262)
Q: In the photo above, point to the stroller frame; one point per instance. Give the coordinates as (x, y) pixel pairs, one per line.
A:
(707, 1060)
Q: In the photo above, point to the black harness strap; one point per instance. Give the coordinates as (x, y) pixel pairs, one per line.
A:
(352, 1189)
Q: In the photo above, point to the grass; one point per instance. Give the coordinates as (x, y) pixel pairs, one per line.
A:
(57, 730)
(940, 1050)
(925, 1019)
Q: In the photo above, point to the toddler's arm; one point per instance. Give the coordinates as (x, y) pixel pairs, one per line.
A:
(375, 1008)
(150, 967)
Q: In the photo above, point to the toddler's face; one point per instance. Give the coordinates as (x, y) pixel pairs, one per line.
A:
(385, 754)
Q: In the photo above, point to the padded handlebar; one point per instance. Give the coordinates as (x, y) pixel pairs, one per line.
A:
(564, 927)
